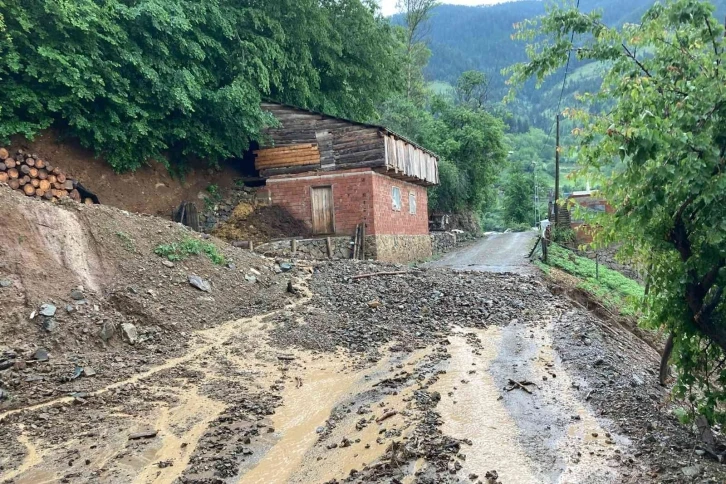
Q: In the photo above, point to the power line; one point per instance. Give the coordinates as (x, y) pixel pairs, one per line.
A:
(567, 68)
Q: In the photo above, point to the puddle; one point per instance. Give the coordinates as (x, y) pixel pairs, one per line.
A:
(474, 411)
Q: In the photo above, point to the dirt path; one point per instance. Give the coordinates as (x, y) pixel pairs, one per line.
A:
(495, 253)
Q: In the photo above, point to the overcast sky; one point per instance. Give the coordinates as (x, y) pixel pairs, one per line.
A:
(389, 6)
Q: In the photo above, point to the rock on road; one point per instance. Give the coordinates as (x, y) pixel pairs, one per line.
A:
(496, 253)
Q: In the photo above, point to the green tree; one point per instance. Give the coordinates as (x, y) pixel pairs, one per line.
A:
(664, 138)
(178, 79)
(416, 14)
(519, 196)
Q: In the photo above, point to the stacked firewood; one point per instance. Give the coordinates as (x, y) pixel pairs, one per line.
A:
(35, 177)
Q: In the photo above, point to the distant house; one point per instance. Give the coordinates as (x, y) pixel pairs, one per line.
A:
(590, 201)
(334, 174)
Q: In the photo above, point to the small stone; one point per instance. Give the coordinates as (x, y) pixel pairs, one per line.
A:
(5, 283)
(286, 267)
(47, 310)
(41, 354)
(200, 283)
(88, 371)
(77, 295)
(129, 333)
(637, 381)
(148, 434)
(374, 304)
(167, 263)
(108, 330)
(691, 471)
(50, 324)
(250, 278)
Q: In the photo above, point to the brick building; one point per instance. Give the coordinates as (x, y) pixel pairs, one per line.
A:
(337, 175)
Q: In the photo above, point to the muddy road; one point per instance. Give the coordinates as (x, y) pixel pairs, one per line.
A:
(428, 377)
(506, 252)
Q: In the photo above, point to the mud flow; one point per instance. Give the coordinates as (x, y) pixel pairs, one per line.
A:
(235, 409)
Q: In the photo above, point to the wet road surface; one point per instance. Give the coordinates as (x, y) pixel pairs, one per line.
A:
(496, 253)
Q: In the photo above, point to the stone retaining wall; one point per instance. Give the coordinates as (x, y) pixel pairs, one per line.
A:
(398, 248)
(308, 248)
(443, 241)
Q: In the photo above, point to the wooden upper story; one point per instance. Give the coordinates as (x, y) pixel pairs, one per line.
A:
(305, 141)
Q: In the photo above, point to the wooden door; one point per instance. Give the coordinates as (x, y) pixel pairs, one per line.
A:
(323, 211)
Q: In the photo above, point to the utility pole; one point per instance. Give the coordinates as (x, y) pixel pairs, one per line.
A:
(557, 175)
(534, 170)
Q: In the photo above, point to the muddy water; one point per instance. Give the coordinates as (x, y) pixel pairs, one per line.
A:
(303, 410)
(297, 457)
(474, 411)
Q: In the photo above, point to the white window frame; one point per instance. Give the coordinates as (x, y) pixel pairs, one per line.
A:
(397, 202)
(412, 203)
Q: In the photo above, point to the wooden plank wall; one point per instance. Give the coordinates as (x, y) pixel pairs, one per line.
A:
(407, 159)
(341, 144)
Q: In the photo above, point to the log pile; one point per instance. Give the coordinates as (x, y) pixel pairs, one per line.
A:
(36, 177)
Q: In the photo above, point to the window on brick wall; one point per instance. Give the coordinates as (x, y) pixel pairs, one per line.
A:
(396, 198)
(412, 203)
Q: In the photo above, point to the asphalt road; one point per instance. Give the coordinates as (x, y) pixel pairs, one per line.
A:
(495, 253)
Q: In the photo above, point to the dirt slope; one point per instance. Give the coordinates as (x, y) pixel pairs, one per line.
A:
(150, 189)
(47, 251)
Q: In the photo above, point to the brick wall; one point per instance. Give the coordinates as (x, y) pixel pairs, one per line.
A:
(359, 196)
(393, 222)
(352, 192)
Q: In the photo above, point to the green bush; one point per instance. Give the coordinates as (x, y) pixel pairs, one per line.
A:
(182, 250)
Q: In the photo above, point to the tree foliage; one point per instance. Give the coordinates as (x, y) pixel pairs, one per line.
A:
(519, 197)
(175, 79)
(664, 139)
(468, 139)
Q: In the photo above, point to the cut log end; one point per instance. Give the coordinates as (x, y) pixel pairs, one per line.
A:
(29, 190)
(3, 153)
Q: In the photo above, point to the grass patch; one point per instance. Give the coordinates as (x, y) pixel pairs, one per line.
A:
(617, 292)
(178, 251)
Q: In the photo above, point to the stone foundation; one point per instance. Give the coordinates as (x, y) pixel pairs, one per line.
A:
(310, 249)
(398, 248)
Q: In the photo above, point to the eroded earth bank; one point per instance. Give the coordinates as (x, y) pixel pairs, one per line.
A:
(288, 371)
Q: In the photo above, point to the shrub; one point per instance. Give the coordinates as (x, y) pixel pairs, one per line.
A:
(182, 250)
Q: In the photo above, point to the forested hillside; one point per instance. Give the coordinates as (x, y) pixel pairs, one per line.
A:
(465, 38)
(172, 79)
